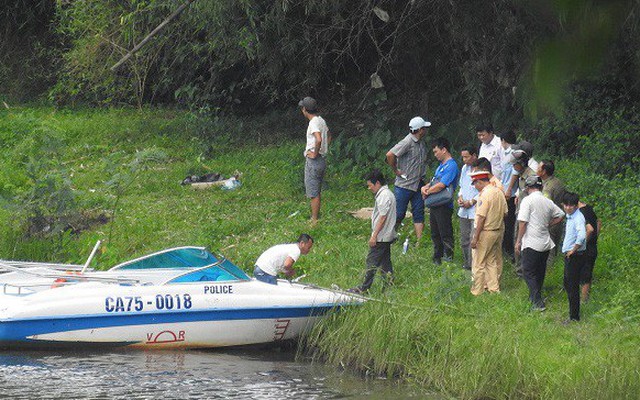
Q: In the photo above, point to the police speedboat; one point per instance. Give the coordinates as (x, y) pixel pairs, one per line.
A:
(182, 297)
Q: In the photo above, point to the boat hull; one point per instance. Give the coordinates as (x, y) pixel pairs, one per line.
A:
(159, 317)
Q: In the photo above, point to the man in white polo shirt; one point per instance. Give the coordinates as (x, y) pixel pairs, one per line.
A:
(536, 215)
(280, 258)
(491, 149)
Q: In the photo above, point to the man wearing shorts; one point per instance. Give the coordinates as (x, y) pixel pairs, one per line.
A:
(315, 151)
(408, 161)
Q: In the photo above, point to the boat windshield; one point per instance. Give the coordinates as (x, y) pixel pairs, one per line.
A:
(184, 257)
(225, 271)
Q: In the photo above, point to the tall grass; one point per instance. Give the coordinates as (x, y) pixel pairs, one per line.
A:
(427, 330)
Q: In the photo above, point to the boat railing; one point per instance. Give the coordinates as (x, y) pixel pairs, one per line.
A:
(32, 264)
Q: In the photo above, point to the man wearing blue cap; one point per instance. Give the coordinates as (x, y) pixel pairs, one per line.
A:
(408, 162)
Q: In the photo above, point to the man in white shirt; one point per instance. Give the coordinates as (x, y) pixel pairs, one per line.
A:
(315, 151)
(491, 149)
(537, 213)
(280, 259)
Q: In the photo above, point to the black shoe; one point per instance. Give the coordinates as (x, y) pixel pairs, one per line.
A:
(437, 261)
(466, 268)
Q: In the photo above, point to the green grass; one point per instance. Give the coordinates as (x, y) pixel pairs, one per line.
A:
(427, 330)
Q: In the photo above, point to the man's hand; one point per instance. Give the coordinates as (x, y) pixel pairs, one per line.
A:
(373, 240)
(424, 190)
(570, 253)
(516, 248)
(312, 154)
(474, 242)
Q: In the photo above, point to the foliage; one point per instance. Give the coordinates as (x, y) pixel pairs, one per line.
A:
(27, 49)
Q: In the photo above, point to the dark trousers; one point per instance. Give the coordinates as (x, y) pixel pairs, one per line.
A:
(441, 232)
(572, 269)
(379, 257)
(534, 267)
(509, 227)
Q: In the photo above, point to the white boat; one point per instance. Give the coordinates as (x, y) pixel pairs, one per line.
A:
(183, 297)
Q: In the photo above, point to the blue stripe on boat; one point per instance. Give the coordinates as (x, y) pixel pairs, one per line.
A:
(19, 330)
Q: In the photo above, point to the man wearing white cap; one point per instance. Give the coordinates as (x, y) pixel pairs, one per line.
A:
(408, 162)
(318, 138)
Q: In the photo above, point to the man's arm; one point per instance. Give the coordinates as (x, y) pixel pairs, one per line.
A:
(522, 229)
(479, 227)
(428, 189)
(288, 267)
(374, 235)
(512, 183)
(316, 149)
(392, 160)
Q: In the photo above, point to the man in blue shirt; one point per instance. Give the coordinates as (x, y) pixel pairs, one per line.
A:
(573, 248)
(467, 203)
(440, 216)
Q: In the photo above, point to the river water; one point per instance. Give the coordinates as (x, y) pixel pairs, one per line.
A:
(235, 374)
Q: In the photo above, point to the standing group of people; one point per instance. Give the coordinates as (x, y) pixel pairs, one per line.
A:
(507, 202)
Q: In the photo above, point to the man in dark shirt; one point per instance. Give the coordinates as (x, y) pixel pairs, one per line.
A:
(593, 230)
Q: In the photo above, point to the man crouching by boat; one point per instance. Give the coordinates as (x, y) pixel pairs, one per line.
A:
(280, 258)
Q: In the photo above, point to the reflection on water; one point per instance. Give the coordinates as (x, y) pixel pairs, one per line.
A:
(181, 375)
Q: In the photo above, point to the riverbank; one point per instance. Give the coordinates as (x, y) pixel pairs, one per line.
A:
(428, 330)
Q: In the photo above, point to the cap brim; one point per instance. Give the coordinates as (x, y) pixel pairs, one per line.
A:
(427, 123)
(300, 104)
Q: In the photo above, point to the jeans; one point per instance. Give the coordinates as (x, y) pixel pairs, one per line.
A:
(264, 277)
(403, 197)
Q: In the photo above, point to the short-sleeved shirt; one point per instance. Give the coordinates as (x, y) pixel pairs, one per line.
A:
(591, 218)
(522, 192)
(412, 158)
(493, 207)
(493, 152)
(447, 173)
(538, 211)
(553, 189)
(468, 192)
(385, 205)
(317, 124)
(272, 260)
(507, 172)
(575, 232)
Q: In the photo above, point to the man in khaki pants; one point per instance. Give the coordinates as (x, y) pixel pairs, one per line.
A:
(486, 244)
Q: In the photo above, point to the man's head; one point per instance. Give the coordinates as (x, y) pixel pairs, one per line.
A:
(305, 242)
(570, 202)
(308, 105)
(485, 133)
(469, 155)
(519, 159)
(546, 168)
(418, 127)
(533, 183)
(523, 146)
(440, 147)
(507, 139)
(483, 164)
(480, 179)
(375, 180)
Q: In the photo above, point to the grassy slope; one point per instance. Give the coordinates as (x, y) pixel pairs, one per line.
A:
(428, 329)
